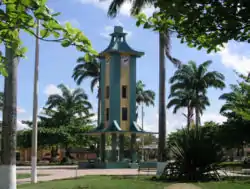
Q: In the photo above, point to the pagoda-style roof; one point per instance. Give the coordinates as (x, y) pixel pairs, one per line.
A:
(115, 128)
(118, 44)
(135, 128)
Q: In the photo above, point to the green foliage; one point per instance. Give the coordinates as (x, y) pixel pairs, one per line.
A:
(143, 96)
(69, 102)
(201, 24)
(137, 6)
(238, 100)
(189, 86)
(146, 97)
(236, 108)
(24, 139)
(65, 120)
(196, 156)
(84, 70)
(21, 15)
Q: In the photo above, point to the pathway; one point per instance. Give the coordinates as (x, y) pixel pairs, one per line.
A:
(58, 174)
(48, 167)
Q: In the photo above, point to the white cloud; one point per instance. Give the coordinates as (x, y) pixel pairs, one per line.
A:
(109, 29)
(21, 126)
(233, 55)
(125, 9)
(52, 89)
(20, 110)
(213, 117)
(75, 23)
(176, 121)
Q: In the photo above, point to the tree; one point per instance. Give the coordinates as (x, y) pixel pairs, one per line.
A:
(238, 100)
(17, 16)
(65, 116)
(216, 22)
(195, 80)
(182, 99)
(146, 97)
(69, 104)
(21, 15)
(164, 49)
(236, 109)
(91, 70)
(143, 96)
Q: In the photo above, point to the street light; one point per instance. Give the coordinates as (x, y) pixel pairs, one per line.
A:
(142, 125)
(35, 107)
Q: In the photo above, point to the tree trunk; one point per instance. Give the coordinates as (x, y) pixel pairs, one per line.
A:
(188, 117)
(8, 163)
(99, 106)
(162, 100)
(197, 114)
(197, 118)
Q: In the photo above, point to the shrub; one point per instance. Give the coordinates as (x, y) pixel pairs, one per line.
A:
(196, 156)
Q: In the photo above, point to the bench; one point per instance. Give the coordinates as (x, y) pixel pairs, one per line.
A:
(147, 167)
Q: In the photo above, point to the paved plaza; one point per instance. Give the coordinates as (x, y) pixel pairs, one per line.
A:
(58, 174)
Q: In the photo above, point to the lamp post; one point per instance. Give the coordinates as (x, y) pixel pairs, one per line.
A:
(142, 125)
(35, 107)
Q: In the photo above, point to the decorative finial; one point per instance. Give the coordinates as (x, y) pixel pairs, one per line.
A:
(118, 29)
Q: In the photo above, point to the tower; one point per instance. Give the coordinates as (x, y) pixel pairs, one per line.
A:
(118, 95)
(118, 82)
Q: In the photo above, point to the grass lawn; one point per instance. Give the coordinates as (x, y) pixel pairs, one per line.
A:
(114, 182)
(26, 175)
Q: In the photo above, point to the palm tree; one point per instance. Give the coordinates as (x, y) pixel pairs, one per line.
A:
(231, 99)
(90, 70)
(237, 101)
(196, 80)
(62, 109)
(164, 49)
(146, 97)
(184, 98)
(70, 103)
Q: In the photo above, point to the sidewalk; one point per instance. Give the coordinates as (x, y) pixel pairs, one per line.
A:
(56, 174)
(48, 167)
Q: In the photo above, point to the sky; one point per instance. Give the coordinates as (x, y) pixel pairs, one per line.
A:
(57, 63)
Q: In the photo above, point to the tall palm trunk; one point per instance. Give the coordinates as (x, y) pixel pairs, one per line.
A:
(8, 163)
(162, 99)
(99, 105)
(197, 118)
(188, 117)
(197, 113)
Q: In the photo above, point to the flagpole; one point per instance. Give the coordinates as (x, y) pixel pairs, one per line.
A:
(35, 109)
